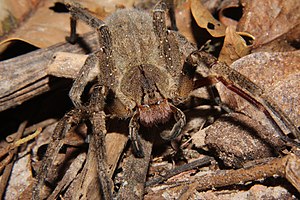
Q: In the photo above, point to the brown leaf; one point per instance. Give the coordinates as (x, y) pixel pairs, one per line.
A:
(47, 27)
(205, 19)
(234, 46)
(226, 7)
(14, 12)
(184, 20)
(269, 19)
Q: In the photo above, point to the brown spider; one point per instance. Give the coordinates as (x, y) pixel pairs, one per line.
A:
(145, 71)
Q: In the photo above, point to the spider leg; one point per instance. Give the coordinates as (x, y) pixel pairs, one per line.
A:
(73, 35)
(169, 49)
(245, 88)
(101, 57)
(63, 126)
(77, 12)
(178, 126)
(97, 144)
(134, 136)
(82, 79)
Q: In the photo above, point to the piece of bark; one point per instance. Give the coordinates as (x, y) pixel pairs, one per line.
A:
(115, 144)
(284, 167)
(26, 76)
(8, 168)
(69, 176)
(236, 139)
(135, 171)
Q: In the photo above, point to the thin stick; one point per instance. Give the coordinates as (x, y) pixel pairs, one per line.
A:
(19, 142)
(8, 168)
(286, 167)
(31, 129)
(189, 166)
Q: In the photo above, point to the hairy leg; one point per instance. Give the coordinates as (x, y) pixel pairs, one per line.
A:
(245, 88)
(63, 126)
(169, 49)
(101, 58)
(97, 144)
(134, 136)
(82, 79)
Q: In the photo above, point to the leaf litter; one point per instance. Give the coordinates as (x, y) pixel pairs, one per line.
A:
(260, 61)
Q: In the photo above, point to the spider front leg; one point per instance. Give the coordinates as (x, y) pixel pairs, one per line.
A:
(245, 88)
(100, 58)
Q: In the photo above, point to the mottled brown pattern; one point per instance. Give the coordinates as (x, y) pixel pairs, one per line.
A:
(145, 71)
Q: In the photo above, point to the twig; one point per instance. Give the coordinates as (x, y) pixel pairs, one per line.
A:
(12, 155)
(20, 142)
(192, 165)
(31, 129)
(287, 167)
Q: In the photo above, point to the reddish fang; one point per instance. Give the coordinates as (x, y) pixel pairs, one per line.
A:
(155, 113)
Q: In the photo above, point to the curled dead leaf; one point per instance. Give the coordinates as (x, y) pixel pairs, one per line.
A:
(234, 46)
(205, 19)
(226, 7)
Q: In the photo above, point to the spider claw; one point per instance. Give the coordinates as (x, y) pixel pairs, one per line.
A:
(134, 137)
(178, 126)
(72, 39)
(138, 149)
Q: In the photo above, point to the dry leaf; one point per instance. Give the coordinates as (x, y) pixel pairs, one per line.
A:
(184, 21)
(50, 23)
(14, 12)
(45, 27)
(269, 19)
(227, 7)
(234, 46)
(205, 19)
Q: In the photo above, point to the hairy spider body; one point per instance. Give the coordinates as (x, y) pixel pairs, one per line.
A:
(145, 70)
(141, 65)
(146, 78)
(144, 82)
